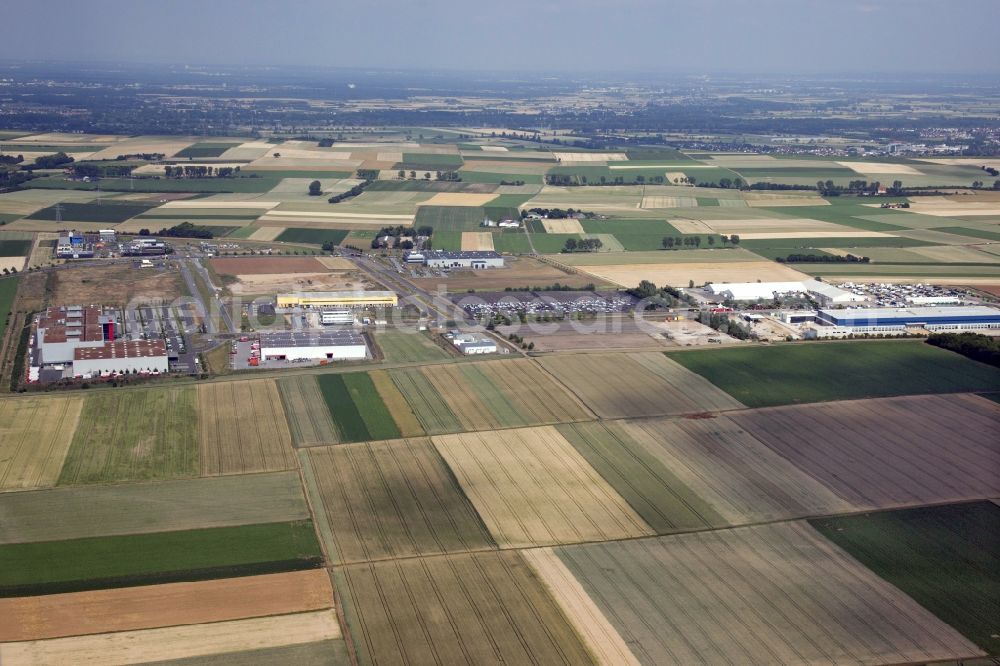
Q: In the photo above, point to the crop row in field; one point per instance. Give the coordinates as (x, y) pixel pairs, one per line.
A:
(764, 376)
(408, 345)
(389, 499)
(309, 419)
(35, 436)
(90, 563)
(243, 428)
(357, 408)
(623, 385)
(110, 212)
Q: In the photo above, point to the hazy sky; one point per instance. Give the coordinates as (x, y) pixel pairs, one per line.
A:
(756, 36)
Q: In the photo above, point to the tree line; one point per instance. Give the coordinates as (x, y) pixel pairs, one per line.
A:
(822, 259)
(671, 242)
(982, 348)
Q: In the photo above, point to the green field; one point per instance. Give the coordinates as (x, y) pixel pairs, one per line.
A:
(400, 346)
(946, 557)
(794, 245)
(131, 434)
(312, 236)
(51, 148)
(48, 567)
(975, 233)
(106, 211)
(433, 412)
(656, 494)
(244, 184)
(516, 242)
(14, 248)
(205, 149)
(429, 162)
(817, 372)
(8, 289)
(451, 218)
(356, 407)
(487, 177)
(902, 270)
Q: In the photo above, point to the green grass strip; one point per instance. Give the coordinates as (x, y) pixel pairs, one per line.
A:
(368, 403)
(345, 413)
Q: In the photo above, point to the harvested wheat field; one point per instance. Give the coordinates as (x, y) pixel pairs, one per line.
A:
(151, 606)
(532, 488)
(266, 233)
(457, 609)
(890, 451)
(881, 168)
(243, 428)
(182, 642)
(309, 418)
(564, 226)
(600, 637)
(590, 157)
(337, 263)
(35, 435)
(420, 508)
(475, 241)
(739, 477)
(772, 594)
(459, 199)
(669, 202)
(533, 392)
(630, 275)
(626, 385)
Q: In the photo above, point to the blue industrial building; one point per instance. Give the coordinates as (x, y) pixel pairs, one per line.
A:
(932, 318)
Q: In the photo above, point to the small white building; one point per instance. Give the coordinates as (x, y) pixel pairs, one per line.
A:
(468, 259)
(470, 344)
(338, 316)
(336, 345)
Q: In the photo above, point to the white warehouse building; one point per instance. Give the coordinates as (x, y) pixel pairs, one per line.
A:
(826, 294)
(330, 345)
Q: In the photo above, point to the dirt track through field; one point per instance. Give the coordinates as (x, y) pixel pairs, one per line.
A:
(151, 606)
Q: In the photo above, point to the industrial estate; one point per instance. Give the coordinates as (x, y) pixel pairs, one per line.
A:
(330, 392)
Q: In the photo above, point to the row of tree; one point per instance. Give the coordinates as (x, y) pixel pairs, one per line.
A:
(982, 348)
(671, 242)
(582, 245)
(200, 171)
(822, 259)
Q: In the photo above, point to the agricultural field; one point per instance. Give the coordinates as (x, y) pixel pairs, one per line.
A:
(134, 508)
(766, 376)
(769, 594)
(408, 345)
(435, 415)
(152, 606)
(357, 408)
(956, 542)
(76, 565)
(309, 419)
(134, 434)
(205, 149)
(532, 488)
(35, 437)
(450, 218)
(475, 608)
(628, 385)
(891, 451)
(312, 236)
(106, 212)
(420, 508)
(8, 290)
(500, 394)
(282, 638)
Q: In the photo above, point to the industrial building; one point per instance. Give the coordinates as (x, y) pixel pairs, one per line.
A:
(935, 319)
(73, 245)
(139, 247)
(82, 341)
(468, 259)
(121, 357)
(328, 345)
(825, 294)
(337, 299)
(340, 316)
(469, 344)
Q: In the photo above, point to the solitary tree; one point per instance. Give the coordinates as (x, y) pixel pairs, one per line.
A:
(668, 242)
(315, 188)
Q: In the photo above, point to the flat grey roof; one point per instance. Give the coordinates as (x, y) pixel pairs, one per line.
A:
(334, 338)
(916, 311)
(468, 254)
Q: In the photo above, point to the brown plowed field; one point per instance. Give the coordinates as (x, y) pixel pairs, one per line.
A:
(266, 265)
(891, 451)
(243, 428)
(737, 475)
(150, 606)
(179, 642)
